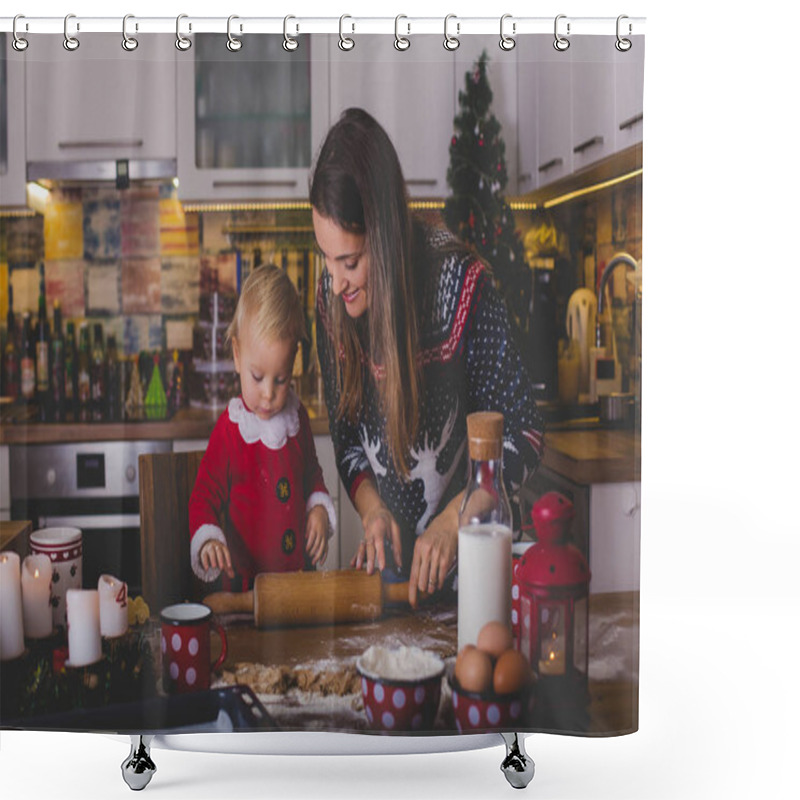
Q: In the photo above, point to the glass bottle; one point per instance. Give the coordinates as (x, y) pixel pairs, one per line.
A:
(98, 375)
(84, 376)
(27, 362)
(71, 373)
(57, 350)
(113, 392)
(484, 532)
(43, 359)
(10, 353)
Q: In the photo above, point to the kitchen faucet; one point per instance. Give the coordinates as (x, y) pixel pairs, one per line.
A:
(616, 260)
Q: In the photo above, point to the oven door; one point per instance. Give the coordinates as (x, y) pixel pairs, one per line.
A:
(111, 541)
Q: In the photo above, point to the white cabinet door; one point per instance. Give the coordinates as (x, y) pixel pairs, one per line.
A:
(629, 81)
(412, 96)
(501, 72)
(100, 102)
(250, 122)
(527, 115)
(615, 536)
(554, 111)
(593, 82)
(12, 124)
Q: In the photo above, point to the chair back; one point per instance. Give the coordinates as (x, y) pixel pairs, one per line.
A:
(166, 481)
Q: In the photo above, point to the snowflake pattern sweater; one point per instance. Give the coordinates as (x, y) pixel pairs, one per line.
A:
(256, 482)
(469, 363)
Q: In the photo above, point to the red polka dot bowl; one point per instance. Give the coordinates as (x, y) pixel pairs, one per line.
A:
(486, 711)
(400, 705)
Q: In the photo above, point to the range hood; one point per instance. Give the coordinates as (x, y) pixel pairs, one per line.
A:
(103, 170)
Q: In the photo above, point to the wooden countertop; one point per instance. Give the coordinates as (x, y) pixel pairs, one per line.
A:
(14, 535)
(613, 702)
(188, 423)
(597, 455)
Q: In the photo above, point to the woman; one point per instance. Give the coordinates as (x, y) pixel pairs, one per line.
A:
(411, 337)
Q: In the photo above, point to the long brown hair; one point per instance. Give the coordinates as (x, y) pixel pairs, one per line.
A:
(358, 184)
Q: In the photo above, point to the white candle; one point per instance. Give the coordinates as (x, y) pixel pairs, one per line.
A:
(83, 627)
(113, 606)
(12, 640)
(37, 616)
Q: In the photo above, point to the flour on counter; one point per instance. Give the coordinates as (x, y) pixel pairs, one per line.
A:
(402, 663)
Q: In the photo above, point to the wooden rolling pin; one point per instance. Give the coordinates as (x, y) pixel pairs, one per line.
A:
(286, 599)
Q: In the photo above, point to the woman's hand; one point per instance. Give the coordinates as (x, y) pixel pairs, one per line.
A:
(317, 534)
(216, 554)
(434, 552)
(380, 530)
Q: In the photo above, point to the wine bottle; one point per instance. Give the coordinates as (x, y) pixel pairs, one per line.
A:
(27, 362)
(11, 352)
(113, 403)
(58, 378)
(71, 374)
(43, 389)
(98, 375)
(84, 376)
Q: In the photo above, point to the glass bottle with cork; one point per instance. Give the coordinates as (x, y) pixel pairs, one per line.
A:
(58, 378)
(10, 353)
(484, 532)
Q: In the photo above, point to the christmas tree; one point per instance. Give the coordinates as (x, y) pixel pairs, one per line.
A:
(477, 211)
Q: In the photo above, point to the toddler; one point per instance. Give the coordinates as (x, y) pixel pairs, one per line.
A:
(259, 502)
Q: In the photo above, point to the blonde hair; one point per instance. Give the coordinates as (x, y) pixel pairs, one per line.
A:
(270, 303)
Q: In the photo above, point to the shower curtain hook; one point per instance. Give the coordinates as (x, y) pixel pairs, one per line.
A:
(623, 45)
(345, 42)
(451, 42)
(129, 43)
(507, 42)
(233, 44)
(289, 42)
(181, 42)
(401, 42)
(561, 43)
(70, 42)
(19, 43)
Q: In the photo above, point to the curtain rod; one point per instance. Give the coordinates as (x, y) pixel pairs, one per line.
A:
(350, 25)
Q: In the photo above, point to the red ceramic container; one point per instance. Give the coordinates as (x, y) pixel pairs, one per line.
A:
(398, 706)
(478, 713)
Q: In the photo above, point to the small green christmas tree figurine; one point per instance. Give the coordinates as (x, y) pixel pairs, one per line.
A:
(477, 211)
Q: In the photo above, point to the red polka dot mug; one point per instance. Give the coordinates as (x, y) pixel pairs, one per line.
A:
(186, 647)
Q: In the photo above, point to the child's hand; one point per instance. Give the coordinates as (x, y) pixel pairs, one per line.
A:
(317, 534)
(216, 554)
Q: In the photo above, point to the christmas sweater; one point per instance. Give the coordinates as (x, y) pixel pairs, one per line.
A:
(469, 363)
(256, 483)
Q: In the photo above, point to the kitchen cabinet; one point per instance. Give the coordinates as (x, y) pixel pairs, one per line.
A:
(593, 105)
(12, 124)
(501, 72)
(411, 96)
(250, 122)
(100, 102)
(552, 72)
(629, 86)
(527, 172)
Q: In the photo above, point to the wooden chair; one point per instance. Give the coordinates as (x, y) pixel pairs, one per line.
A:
(165, 484)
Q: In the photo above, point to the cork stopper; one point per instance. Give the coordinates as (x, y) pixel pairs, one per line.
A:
(485, 435)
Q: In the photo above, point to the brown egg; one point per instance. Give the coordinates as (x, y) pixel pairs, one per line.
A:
(473, 670)
(511, 672)
(494, 638)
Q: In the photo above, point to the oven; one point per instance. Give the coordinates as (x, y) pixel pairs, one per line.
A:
(93, 486)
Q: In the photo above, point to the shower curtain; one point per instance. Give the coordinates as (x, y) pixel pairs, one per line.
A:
(144, 177)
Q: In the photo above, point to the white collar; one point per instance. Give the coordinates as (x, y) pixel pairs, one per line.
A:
(272, 432)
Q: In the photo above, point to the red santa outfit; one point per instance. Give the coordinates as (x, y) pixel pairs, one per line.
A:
(257, 481)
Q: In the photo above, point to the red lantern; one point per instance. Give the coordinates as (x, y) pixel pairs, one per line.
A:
(554, 613)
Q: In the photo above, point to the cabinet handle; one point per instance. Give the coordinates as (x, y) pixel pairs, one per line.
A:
(421, 181)
(102, 143)
(253, 184)
(553, 162)
(629, 123)
(579, 148)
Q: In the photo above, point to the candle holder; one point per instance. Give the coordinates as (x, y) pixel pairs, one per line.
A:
(554, 617)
